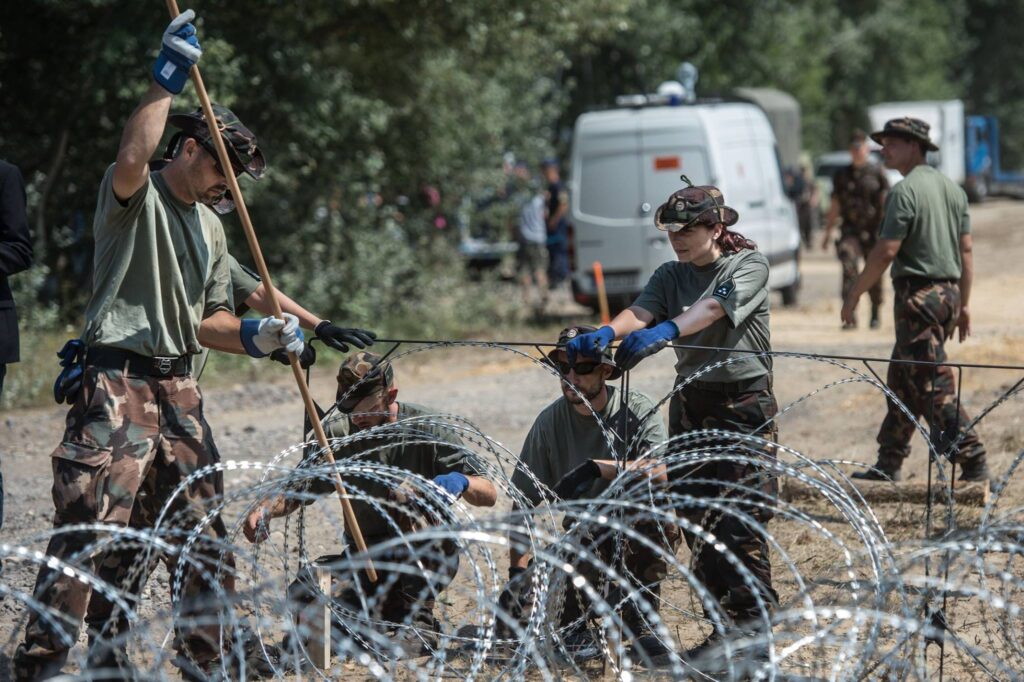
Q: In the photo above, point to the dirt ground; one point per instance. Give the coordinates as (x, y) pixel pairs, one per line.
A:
(502, 393)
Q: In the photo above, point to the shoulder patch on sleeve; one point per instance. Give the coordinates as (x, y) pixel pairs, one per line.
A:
(725, 289)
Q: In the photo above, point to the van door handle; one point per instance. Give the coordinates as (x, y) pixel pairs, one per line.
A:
(657, 241)
(756, 204)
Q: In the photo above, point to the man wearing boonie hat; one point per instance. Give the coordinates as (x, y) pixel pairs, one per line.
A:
(926, 235)
(715, 296)
(411, 437)
(858, 200)
(566, 453)
(160, 296)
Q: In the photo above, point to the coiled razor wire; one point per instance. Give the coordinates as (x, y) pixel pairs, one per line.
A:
(865, 593)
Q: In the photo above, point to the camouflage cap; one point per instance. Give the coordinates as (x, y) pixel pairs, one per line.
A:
(361, 375)
(570, 333)
(240, 142)
(361, 365)
(908, 128)
(693, 204)
(858, 137)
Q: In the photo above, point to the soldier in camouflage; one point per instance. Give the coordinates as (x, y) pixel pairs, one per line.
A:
(926, 236)
(566, 451)
(858, 198)
(136, 426)
(407, 437)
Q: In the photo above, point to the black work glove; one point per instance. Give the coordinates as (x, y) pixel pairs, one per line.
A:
(306, 358)
(337, 337)
(577, 482)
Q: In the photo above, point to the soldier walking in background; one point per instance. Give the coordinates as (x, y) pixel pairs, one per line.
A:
(858, 200)
(926, 235)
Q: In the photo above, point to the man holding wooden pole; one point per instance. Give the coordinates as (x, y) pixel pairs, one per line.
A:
(161, 294)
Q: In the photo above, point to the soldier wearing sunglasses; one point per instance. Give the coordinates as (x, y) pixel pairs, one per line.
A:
(715, 295)
(409, 439)
(566, 451)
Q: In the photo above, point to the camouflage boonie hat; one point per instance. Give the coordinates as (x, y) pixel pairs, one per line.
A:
(240, 142)
(908, 128)
(693, 204)
(570, 333)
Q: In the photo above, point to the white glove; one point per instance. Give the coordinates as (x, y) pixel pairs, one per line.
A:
(262, 337)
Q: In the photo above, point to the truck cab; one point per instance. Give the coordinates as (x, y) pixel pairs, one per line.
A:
(625, 162)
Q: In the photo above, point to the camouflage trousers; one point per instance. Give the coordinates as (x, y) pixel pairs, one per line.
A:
(698, 407)
(640, 564)
(926, 314)
(129, 442)
(852, 248)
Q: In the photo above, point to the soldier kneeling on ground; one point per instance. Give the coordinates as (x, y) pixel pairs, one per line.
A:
(395, 435)
(567, 452)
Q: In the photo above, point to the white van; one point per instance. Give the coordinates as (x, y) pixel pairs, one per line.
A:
(626, 162)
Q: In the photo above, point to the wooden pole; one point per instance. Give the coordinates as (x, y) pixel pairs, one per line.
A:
(602, 294)
(882, 492)
(351, 524)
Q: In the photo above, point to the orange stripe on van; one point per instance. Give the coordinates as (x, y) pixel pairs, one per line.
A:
(667, 163)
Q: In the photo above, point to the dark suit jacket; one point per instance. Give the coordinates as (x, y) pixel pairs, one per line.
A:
(15, 254)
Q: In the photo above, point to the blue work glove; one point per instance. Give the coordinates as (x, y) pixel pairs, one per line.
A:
(179, 52)
(261, 337)
(589, 345)
(69, 381)
(454, 483)
(640, 344)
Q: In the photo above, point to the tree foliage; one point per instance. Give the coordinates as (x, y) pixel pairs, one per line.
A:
(359, 104)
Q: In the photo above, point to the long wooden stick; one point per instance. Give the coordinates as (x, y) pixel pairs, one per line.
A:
(351, 524)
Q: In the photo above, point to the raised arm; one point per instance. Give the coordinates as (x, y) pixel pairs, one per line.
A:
(139, 140)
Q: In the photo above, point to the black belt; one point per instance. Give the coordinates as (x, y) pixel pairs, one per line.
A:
(918, 282)
(138, 365)
(742, 386)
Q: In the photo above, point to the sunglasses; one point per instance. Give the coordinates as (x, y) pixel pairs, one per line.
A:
(581, 368)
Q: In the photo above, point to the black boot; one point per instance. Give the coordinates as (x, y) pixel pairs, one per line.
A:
(882, 471)
(975, 469)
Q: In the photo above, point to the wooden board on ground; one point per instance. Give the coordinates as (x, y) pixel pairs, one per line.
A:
(881, 492)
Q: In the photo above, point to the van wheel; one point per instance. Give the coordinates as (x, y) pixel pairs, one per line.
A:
(790, 295)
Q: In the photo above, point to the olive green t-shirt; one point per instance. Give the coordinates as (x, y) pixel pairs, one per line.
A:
(929, 213)
(561, 439)
(422, 448)
(740, 283)
(160, 268)
(243, 282)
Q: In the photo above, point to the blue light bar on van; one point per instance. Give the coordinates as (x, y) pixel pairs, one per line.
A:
(649, 100)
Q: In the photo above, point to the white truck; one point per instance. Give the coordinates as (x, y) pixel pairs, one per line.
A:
(625, 162)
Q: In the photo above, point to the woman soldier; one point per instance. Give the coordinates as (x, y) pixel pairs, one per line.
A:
(715, 295)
